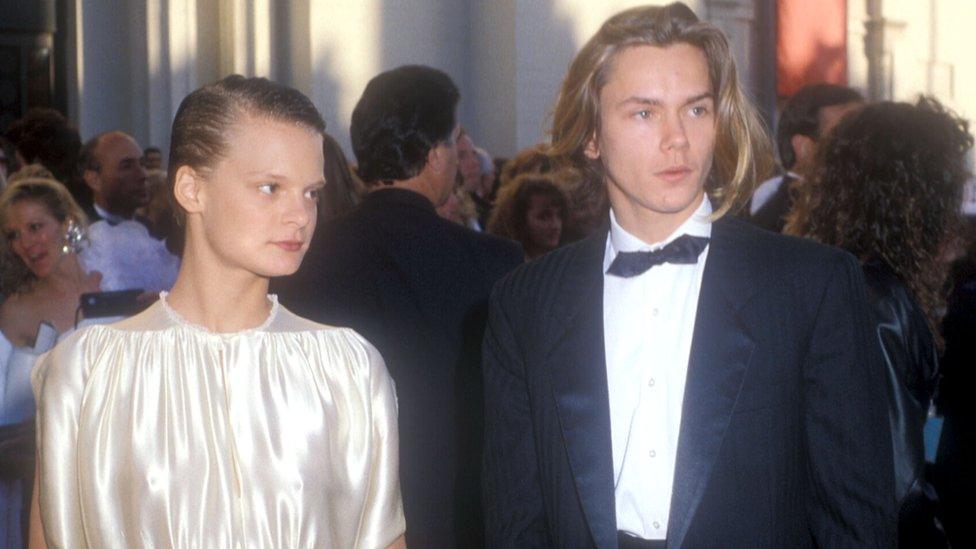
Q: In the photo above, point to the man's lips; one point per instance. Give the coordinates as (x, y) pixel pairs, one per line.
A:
(674, 174)
(289, 245)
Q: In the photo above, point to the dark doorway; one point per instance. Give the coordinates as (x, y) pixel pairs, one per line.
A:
(32, 54)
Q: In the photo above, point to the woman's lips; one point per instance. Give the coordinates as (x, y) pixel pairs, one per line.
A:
(34, 261)
(289, 245)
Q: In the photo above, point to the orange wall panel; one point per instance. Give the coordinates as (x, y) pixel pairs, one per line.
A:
(811, 44)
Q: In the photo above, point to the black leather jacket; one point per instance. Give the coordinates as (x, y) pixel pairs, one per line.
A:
(912, 369)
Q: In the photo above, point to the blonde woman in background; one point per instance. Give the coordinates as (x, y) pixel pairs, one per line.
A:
(42, 280)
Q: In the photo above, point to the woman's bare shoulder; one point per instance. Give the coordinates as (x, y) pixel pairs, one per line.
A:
(16, 318)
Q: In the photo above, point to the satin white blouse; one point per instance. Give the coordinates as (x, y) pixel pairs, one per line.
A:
(153, 432)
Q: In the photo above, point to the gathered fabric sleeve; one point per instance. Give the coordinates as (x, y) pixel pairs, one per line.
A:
(58, 381)
(382, 519)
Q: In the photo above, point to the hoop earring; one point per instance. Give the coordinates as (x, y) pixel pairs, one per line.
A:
(74, 235)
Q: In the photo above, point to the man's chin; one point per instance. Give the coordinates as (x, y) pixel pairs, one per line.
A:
(279, 270)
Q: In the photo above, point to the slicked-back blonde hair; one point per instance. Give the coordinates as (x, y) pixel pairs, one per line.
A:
(743, 150)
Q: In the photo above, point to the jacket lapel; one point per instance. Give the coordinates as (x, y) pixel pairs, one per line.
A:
(720, 353)
(578, 374)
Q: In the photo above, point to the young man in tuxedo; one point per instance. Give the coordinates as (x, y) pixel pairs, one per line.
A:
(680, 379)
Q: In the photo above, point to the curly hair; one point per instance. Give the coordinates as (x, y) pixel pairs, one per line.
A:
(401, 116)
(888, 185)
(15, 277)
(508, 219)
(534, 159)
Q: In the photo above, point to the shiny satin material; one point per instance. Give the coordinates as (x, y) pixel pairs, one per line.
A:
(155, 433)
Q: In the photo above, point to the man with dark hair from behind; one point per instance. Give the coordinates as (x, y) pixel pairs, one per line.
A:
(44, 136)
(811, 113)
(417, 287)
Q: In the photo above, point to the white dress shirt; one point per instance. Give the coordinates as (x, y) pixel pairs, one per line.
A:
(108, 216)
(128, 257)
(648, 324)
(765, 190)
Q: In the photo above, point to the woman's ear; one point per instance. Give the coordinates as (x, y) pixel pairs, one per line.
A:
(592, 150)
(187, 187)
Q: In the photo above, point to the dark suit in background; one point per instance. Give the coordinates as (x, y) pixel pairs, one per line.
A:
(416, 286)
(784, 438)
(955, 469)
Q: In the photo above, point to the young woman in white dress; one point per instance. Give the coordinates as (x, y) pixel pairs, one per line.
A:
(217, 418)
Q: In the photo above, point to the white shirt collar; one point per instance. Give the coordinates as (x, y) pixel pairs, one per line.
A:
(765, 190)
(108, 216)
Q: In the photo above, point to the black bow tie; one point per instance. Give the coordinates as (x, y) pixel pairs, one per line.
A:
(682, 250)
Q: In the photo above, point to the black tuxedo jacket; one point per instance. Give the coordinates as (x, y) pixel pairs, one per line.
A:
(784, 438)
(772, 215)
(416, 286)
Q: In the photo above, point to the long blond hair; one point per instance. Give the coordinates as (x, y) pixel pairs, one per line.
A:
(743, 150)
(14, 275)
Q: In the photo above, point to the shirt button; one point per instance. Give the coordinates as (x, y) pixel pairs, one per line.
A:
(654, 311)
(656, 525)
(652, 453)
(650, 382)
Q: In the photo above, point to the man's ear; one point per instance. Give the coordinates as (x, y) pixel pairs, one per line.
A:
(92, 179)
(592, 150)
(803, 147)
(188, 189)
(436, 158)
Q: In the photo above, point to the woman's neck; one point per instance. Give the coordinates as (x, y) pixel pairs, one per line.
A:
(66, 278)
(218, 297)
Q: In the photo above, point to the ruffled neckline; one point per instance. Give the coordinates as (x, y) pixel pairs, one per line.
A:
(179, 320)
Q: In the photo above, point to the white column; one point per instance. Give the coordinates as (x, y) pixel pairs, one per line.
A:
(245, 37)
(344, 53)
(738, 18)
(104, 69)
(520, 53)
(857, 40)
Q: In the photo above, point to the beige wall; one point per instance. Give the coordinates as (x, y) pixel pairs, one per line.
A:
(899, 49)
(140, 57)
(917, 46)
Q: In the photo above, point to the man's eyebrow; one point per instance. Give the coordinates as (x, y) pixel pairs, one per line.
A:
(699, 97)
(639, 100)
